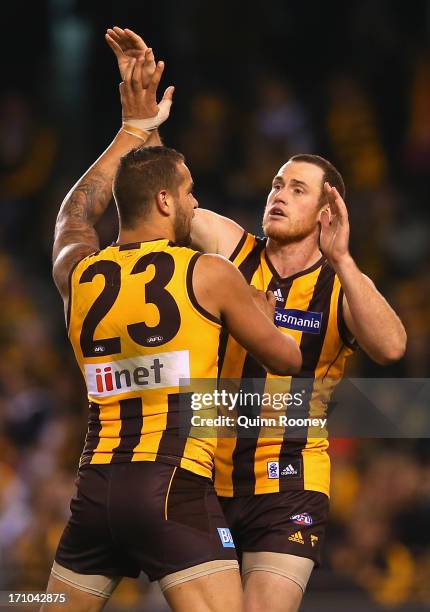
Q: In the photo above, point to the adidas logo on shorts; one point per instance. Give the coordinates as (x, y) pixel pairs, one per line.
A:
(297, 537)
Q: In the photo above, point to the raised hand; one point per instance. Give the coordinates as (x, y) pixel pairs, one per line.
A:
(127, 45)
(141, 103)
(334, 236)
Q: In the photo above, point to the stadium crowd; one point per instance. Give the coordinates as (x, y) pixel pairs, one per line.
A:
(236, 121)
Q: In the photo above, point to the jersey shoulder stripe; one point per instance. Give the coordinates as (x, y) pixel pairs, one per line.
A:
(191, 294)
(246, 245)
(239, 246)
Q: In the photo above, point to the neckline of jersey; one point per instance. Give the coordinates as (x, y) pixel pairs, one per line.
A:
(130, 244)
(279, 278)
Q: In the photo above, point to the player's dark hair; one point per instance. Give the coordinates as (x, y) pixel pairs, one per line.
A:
(141, 174)
(331, 174)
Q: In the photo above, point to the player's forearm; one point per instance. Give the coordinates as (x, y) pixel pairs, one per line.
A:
(89, 197)
(375, 325)
(285, 358)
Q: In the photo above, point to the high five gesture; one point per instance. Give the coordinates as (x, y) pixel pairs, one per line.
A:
(334, 235)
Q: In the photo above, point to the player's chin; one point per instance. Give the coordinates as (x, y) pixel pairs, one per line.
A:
(272, 230)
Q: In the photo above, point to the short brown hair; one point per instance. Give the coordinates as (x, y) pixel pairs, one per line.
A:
(141, 174)
(331, 174)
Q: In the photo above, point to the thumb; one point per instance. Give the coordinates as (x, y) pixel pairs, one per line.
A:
(165, 104)
(168, 94)
(271, 298)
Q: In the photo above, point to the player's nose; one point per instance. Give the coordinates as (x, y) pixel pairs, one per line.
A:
(280, 196)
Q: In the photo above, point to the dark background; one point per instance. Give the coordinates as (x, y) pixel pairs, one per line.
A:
(254, 85)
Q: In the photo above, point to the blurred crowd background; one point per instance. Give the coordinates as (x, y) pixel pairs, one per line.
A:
(255, 84)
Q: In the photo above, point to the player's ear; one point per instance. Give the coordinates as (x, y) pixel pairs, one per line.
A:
(163, 202)
(324, 209)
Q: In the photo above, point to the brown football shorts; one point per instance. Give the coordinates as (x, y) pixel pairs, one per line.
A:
(143, 516)
(292, 522)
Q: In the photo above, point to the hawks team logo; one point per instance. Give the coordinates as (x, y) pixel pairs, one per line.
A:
(303, 519)
(273, 469)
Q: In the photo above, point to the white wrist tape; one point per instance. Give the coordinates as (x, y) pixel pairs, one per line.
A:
(152, 123)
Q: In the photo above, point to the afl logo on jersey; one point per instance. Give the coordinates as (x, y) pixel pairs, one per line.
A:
(155, 340)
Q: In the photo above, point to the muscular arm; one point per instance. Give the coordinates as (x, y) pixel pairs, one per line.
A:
(213, 233)
(369, 317)
(367, 314)
(221, 289)
(75, 236)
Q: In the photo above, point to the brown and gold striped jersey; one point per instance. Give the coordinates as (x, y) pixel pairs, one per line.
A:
(309, 308)
(137, 331)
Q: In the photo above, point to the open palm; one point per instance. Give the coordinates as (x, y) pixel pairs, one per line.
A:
(334, 236)
(127, 45)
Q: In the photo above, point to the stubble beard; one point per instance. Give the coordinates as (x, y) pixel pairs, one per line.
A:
(290, 235)
(182, 227)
